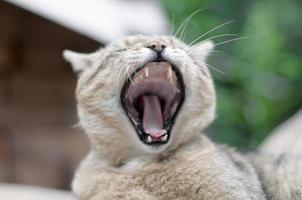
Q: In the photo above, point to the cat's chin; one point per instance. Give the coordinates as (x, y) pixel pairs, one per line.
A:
(152, 97)
(155, 149)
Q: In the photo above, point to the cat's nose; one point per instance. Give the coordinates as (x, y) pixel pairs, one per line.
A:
(158, 48)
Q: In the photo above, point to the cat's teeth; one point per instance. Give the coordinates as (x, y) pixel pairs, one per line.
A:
(147, 72)
(149, 138)
(164, 138)
(170, 73)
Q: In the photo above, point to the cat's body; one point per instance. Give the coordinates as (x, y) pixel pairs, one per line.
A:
(154, 155)
(203, 171)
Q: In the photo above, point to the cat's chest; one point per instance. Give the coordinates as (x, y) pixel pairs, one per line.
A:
(183, 178)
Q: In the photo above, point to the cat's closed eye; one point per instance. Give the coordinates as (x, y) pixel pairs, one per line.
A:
(120, 50)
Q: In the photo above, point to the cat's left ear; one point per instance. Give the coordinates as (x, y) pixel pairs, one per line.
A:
(202, 51)
(79, 61)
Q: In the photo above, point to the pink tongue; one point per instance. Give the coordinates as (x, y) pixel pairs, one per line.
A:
(152, 119)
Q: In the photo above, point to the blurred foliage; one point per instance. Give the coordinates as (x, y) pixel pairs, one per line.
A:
(262, 84)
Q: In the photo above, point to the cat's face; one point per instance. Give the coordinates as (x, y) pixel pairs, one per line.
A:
(144, 94)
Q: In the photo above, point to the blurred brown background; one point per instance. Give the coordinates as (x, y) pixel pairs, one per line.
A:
(38, 144)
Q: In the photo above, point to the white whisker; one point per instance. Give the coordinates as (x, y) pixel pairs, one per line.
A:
(217, 70)
(173, 25)
(185, 22)
(179, 28)
(235, 39)
(119, 77)
(129, 76)
(213, 29)
(213, 37)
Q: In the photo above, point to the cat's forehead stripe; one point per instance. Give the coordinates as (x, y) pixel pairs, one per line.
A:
(127, 42)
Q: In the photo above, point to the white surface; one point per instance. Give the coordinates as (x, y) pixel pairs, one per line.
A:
(22, 192)
(102, 20)
(286, 138)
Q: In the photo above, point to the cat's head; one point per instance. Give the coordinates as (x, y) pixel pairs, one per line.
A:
(143, 94)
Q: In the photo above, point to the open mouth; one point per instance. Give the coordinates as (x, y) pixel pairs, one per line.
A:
(152, 98)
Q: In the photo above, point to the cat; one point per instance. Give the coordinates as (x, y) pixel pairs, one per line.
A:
(143, 102)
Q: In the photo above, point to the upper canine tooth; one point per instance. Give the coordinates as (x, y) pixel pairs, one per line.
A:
(164, 138)
(147, 72)
(149, 138)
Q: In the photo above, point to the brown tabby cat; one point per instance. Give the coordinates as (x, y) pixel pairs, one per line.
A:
(143, 101)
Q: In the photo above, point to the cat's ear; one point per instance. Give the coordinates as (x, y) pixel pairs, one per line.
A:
(79, 61)
(202, 51)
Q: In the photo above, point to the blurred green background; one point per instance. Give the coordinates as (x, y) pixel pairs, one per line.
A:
(262, 81)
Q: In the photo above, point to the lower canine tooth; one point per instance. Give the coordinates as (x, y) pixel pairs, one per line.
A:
(164, 138)
(149, 138)
(147, 72)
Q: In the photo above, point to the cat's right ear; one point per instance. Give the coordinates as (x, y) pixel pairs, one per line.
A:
(79, 61)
